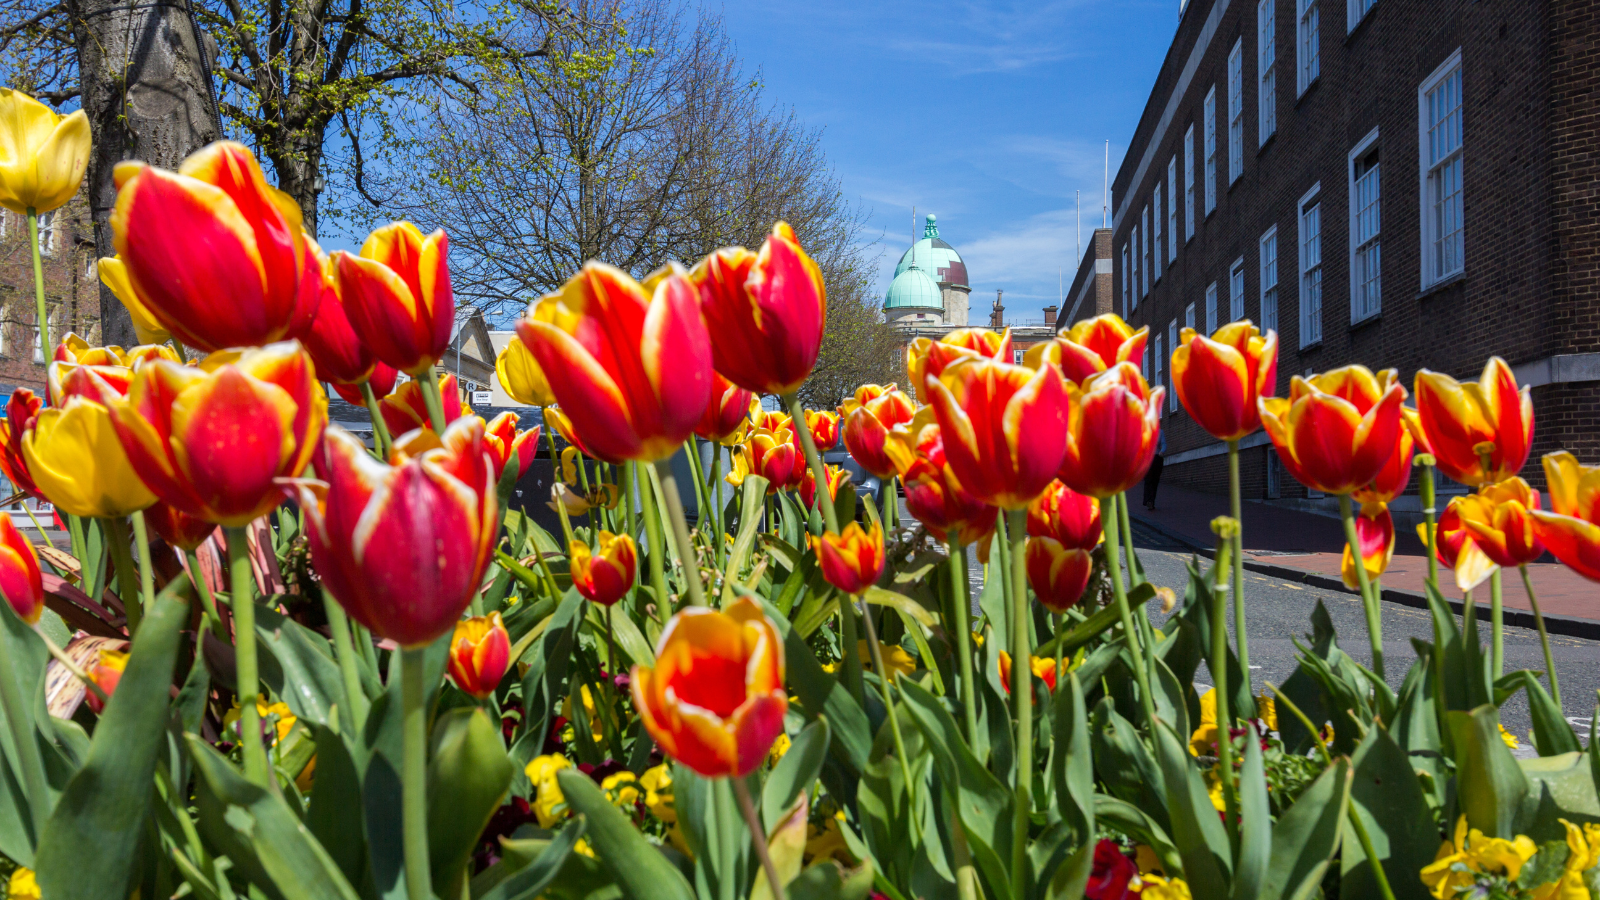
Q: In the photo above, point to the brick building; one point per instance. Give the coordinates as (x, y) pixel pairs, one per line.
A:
(1399, 183)
(71, 288)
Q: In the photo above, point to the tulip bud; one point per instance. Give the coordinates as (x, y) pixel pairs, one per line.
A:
(45, 154)
(1004, 427)
(1219, 378)
(506, 444)
(20, 581)
(398, 297)
(1336, 431)
(808, 485)
(852, 561)
(1480, 433)
(73, 452)
(406, 409)
(606, 576)
(182, 531)
(927, 358)
(1499, 518)
(1057, 573)
(1043, 669)
(726, 419)
(520, 376)
(772, 456)
(868, 418)
(824, 427)
(21, 412)
(480, 653)
(1375, 533)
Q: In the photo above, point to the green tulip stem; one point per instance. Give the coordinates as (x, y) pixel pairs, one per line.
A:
(381, 440)
(691, 449)
(894, 720)
(244, 636)
(43, 320)
(1544, 636)
(629, 524)
(1126, 525)
(1497, 625)
(961, 624)
(1427, 495)
(758, 836)
(819, 474)
(1021, 693)
(891, 504)
(429, 384)
(1235, 509)
(35, 520)
(80, 545)
(1119, 593)
(654, 538)
(1219, 677)
(141, 538)
(345, 649)
(680, 532)
(414, 772)
(208, 601)
(714, 487)
(1055, 632)
(1369, 601)
(120, 541)
(27, 743)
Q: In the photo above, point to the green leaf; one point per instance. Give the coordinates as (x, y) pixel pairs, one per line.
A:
(629, 638)
(1134, 822)
(468, 776)
(906, 605)
(1489, 781)
(106, 802)
(1307, 836)
(822, 695)
(261, 822)
(1072, 766)
(542, 682)
(1387, 796)
(1070, 878)
(1081, 633)
(1124, 763)
(1255, 824)
(795, 772)
(752, 492)
(1171, 703)
(1196, 829)
(334, 815)
(786, 845)
(639, 870)
(1558, 787)
(311, 684)
(527, 882)
(828, 881)
(1552, 734)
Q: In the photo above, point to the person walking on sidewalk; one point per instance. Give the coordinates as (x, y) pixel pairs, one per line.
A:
(1152, 478)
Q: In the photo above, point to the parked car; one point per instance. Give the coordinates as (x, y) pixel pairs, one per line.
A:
(866, 483)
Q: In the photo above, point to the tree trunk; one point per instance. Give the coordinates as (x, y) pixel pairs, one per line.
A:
(147, 93)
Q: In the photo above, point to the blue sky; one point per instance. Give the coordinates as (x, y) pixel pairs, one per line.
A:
(989, 115)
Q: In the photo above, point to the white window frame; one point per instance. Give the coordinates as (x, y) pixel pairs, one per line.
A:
(1155, 224)
(1138, 273)
(1236, 290)
(1364, 307)
(1268, 304)
(1435, 174)
(1127, 274)
(1211, 309)
(1308, 45)
(1188, 316)
(1188, 186)
(1172, 338)
(1266, 67)
(1172, 209)
(1236, 112)
(1211, 149)
(1160, 363)
(1150, 272)
(1355, 11)
(1311, 259)
(47, 233)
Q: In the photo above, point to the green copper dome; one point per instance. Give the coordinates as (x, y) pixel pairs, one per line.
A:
(913, 288)
(934, 256)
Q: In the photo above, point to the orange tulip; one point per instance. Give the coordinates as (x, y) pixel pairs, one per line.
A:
(631, 370)
(1571, 528)
(211, 441)
(808, 485)
(868, 418)
(1456, 549)
(480, 653)
(606, 576)
(1336, 431)
(726, 418)
(398, 297)
(382, 380)
(1461, 423)
(1003, 426)
(824, 426)
(367, 523)
(1499, 518)
(715, 699)
(1219, 378)
(1112, 432)
(767, 309)
(214, 253)
(505, 444)
(1091, 347)
(340, 356)
(182, 531)
(405, 409)
(1392, 479)
(20, 581)
(21, 412)
(1043, 669)
(927, 358)
(1375, 533)
(771, 455)
(851, 561)
(106, 674)
(933, 495)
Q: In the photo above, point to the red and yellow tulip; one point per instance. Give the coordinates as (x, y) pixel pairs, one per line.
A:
(927, 358)
(869, 416)
(212, 441)
(1500, 519)
(72, 451)
(851, 561)
(21, 410)
(114, 275)
(772, 455)
(824, 427)
(1219, 378)
(106, 674)
(836, 477)
(767, 308)
(727, 416)
(519, 374)
(631, 369)
(1063, 529)
(604, 576)
(180, 530)
(365, 521)
(1336, 431)
(715, 699)
(215, 254)
(340, 356)
(1392, 479)
(21, 583)
(1570, 529)
(405, 409)
(1066, 515)
(933, 495)
(382, 381)
(42, 155)
(1461, 424)
(1091, 347)
(1043, 669)
(480, 653)
(1112, 432)
(1003, 426)
(506, 444)
(398, 297)
(1456, 549)
(1375, 533)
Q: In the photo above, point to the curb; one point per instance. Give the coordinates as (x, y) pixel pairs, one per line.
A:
(1568, 626)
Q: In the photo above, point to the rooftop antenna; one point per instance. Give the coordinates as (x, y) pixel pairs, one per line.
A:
(1105, 200)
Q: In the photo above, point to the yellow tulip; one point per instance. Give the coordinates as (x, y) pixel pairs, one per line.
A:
(42, 155)
(78, 463)
(114, 275)
(520, 375)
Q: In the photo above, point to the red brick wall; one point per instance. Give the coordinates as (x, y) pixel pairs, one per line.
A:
(72, 293)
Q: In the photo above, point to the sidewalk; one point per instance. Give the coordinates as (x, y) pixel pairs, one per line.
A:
(1306, 547)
